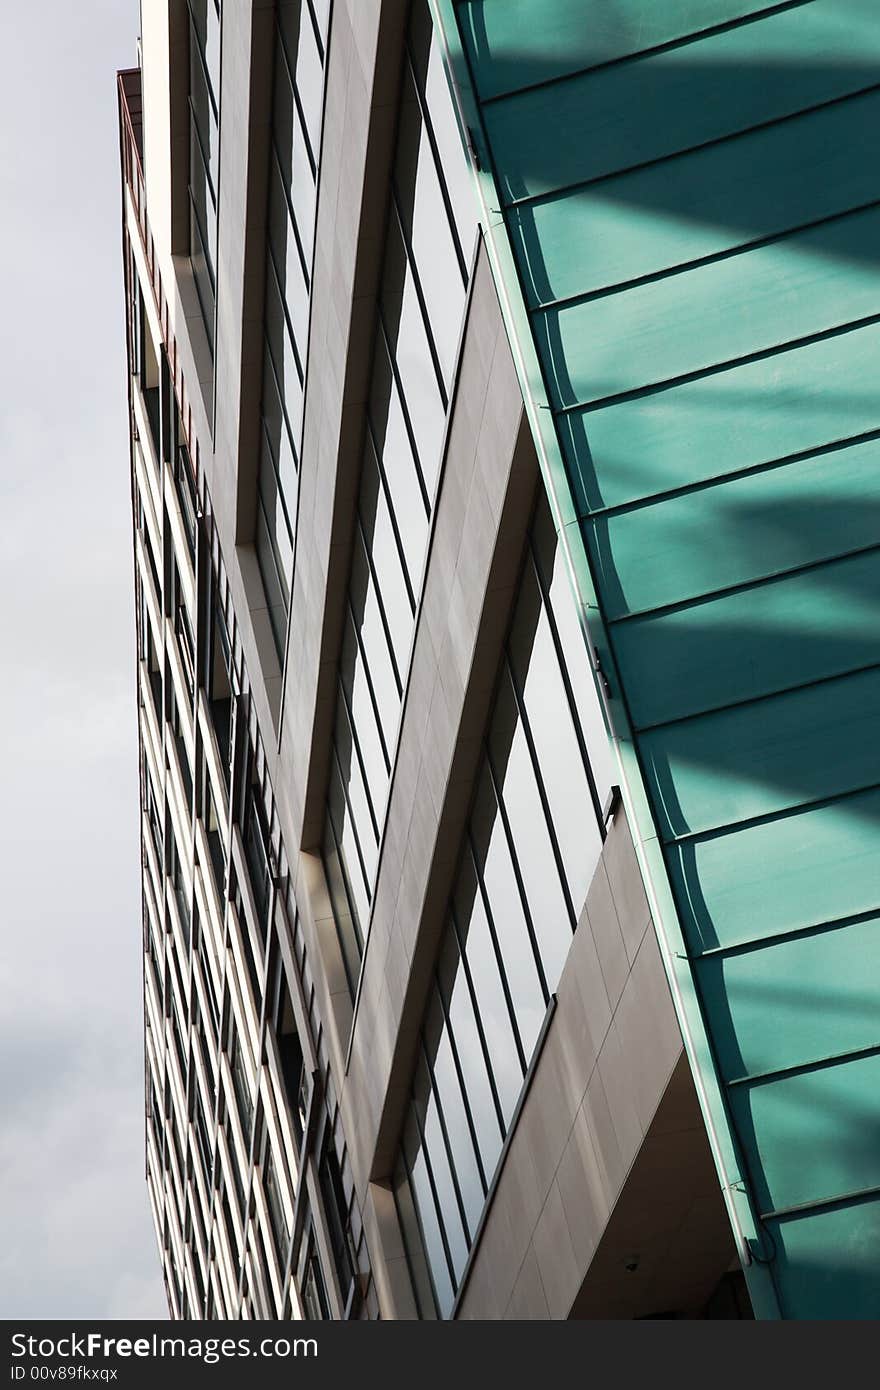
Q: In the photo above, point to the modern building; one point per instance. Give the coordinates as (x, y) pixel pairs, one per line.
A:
(505, 483)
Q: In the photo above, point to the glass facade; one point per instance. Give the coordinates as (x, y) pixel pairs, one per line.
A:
(532, 841)
(430, 232)
(247, 1164)
(204, 150)
(301, 35)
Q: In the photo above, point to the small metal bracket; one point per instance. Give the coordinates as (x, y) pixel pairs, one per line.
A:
(597, 667)
(612, 806)
(473, 151)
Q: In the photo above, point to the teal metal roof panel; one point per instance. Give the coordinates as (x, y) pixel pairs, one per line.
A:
(705, 202)
(654, 106)
(682, 205)
(746, 416)
(801, 869)
(808, 995)
(507, 49)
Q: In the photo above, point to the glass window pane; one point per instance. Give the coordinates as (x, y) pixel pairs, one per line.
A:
(354, 679)
(574, 646)
(202, 200)
(460, 1008)
(288, 265)
(379, 534)
(426, 224)
(482, 961)
(515, 777)
(433, 82)
(293, 158)
(287, 369)
(321, 10)
(517, 957)
(203, 111)
(448, 1087)
(365, 606)
(350, 941)
(424, 1200)
(278, 436)
(280, 531)
(408, 342)
(412, 1237)
(310, 81)
(537, 674)
(438, 1157)
(203, 278)
(289, 12)
(392, 442)
(340, 816)
(283, 111)
(206, 19)
(358, 821)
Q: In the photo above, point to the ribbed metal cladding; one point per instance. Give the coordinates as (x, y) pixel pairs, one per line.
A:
(687, 258)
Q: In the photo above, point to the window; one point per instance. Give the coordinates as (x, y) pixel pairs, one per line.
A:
(311, 1280)
(336, 1209)
(531, 845)
(204, 150)
(421, 308)
(240, 1081)
(297, 117)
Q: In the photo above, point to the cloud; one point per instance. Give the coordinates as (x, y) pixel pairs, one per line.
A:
(78, 1238)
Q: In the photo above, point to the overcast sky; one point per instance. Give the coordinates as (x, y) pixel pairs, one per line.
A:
(77, 1239)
